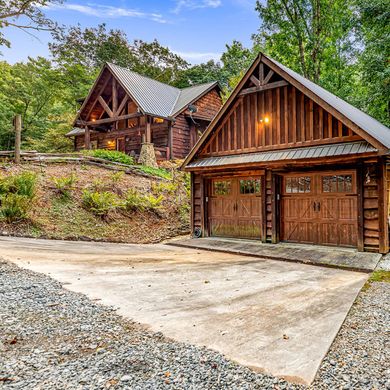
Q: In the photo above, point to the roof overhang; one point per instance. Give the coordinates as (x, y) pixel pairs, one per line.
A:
(285, 155)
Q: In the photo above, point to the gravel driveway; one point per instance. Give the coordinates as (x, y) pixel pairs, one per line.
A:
(52, 338)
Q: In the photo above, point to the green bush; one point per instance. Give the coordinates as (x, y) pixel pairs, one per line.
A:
(153, 203)
(159, 172)
(65, 184)
(100, 203)
(21, 184)
(134, 201)
(117, 177)
(165, 187)
(14, 207)
(111, 155)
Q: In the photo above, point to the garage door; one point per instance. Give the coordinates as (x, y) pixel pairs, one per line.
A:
(320, 208)
(234, 207)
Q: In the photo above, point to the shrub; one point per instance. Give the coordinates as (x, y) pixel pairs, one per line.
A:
(111, 155)
(100, 203)
(64, 185)
(134, 201)
(167, 188)
(159, 172)
(117, 177)
(20, 184)
(14, 207)
(153, 203)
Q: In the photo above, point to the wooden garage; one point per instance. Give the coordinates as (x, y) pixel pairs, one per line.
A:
(286, 160)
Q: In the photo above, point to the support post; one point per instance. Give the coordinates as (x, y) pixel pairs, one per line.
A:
(148, 130)
(18, 137)
(87, 138)
(170, 140)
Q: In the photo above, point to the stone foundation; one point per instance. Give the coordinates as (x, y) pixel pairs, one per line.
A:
(147, 155)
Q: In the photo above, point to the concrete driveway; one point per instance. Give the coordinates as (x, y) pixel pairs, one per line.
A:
(273, 316)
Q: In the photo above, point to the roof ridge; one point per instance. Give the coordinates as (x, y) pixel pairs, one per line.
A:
(199, 85)
(142, 75)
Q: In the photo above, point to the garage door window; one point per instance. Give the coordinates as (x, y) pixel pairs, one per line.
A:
(250, 186)
(222, 187)
(298, 185)
(337, 183)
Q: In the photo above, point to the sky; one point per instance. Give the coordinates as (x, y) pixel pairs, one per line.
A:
(195, 29)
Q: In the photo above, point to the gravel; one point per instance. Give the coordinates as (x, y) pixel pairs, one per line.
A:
(51, 338)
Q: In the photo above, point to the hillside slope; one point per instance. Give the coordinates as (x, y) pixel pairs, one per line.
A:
(80, 202)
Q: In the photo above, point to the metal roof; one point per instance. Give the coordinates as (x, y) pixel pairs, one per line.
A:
(367, 123)
(74, 132)
(156, 98)
(188, 95)
(332, 150)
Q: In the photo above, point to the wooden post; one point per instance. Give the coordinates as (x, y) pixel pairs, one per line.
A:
(18, 137)
(170, 140)
(114, 97)
(87, 138)
(148, 130)
(360, 205)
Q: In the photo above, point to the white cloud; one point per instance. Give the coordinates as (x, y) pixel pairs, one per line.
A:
(106, 11)
(198, 57)
(195, 4)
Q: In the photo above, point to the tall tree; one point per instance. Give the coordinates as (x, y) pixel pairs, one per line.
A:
(308, 35)
(374, 61)
(26, 15)
(36, 91)
(90, 48)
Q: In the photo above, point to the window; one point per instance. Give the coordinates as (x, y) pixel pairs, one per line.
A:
(221, 187)
(298, 185)
(250, 186)
(337, 183)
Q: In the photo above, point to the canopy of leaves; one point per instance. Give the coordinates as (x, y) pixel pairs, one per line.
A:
(26, 15)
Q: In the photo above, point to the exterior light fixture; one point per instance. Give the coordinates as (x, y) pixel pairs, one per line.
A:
(265, 119)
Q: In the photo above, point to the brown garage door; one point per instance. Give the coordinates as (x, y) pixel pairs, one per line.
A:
(320, 208)
(235, 206)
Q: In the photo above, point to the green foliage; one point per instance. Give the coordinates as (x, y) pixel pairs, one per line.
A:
(65, 184)
(153, 203)
(111, 155)
(100, 203)
(35, 90)
(159, 172)
(136, 201)
(374, 64)
(25, 15)
(14, 207)
(20, 184)
(117, 177)
(165, 187)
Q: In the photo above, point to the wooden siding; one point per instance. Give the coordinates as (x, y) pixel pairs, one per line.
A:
(208, 105)
(196, 201)
(294, 120)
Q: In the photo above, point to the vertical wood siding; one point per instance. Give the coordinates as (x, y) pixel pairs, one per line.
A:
(293, 120)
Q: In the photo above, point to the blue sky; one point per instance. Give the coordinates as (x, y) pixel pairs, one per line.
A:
(196, 29)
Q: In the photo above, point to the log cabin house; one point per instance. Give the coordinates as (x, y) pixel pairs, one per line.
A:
(123, 110)
(286, 160)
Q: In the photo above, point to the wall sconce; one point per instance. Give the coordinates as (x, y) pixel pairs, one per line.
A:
(265, 120)
(158, 120)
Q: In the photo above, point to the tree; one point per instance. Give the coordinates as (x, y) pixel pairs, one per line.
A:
(25, 15)
(308, 36)
(92, 47)
(374, 60)
(36, 91)
(200, 74)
